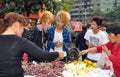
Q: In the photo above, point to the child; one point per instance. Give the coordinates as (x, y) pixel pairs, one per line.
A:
(113, 45)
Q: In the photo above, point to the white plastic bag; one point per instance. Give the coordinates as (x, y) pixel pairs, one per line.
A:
(104, 62)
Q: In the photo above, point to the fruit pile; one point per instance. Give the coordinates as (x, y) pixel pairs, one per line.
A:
(79, 68)
(89, 63)
(84, 68)
(50, 69)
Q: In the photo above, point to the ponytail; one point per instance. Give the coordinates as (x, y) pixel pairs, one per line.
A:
(2, 26)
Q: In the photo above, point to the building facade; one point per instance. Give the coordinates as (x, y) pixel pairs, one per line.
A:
(102, 5)
(83, 9)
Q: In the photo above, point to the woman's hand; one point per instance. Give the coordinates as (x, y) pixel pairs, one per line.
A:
(61, 55)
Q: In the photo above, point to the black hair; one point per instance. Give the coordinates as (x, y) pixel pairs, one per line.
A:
(113, 28)
(99, 20)
(84, 27)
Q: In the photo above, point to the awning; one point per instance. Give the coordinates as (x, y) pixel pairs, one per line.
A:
(33, 16)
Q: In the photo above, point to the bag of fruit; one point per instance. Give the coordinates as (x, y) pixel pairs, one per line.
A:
(104, 62)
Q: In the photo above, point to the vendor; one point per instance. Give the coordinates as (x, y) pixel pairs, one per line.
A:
(12, 46)
(111, 48)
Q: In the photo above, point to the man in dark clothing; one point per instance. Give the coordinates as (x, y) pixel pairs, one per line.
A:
(80, 41)
(37, 34)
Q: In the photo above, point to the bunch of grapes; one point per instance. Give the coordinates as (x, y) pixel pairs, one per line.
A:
(50, 69)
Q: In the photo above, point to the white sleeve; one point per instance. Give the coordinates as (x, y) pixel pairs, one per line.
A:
(104, 38)
(87, 35)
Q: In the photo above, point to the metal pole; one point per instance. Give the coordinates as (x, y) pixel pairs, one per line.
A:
(85, 7)
(79, 13)
(85, 16)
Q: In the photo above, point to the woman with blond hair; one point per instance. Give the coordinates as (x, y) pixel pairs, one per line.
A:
(59, 37)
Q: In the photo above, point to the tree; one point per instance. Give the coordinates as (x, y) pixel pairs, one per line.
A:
(113, 15)
(66, 4)
(56, 5)
(8, 6)
(20, 6)
(98, 13)
(32, 6)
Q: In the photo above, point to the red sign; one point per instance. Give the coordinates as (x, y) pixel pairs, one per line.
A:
(31, 15)
(77, 24)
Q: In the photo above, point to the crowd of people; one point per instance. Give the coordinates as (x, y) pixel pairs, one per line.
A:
(13, 46)
(48, 42)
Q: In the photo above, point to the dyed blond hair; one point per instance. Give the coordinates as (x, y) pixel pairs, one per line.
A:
(64, 16)
(47, 16)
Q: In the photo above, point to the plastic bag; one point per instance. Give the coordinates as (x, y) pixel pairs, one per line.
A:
(104, 62)
(25, 57)
(73, 54)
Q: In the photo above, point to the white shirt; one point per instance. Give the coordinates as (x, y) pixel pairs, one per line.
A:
(95, 39)
(58, 37)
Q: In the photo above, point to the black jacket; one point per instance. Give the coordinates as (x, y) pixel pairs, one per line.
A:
(11, 52)
(35, 35)
(38, 37)
(80, 41)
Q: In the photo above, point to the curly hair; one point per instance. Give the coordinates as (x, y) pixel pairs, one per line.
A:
(99, 20)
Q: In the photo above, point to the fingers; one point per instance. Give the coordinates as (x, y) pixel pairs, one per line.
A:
(83, 52)
(58, 44)
(104, 48)
(61, 54)
(59, 58)
(80, 54)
